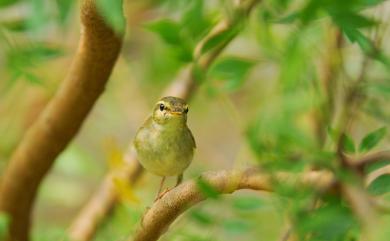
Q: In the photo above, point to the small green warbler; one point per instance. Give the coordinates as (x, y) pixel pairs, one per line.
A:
(164, 144)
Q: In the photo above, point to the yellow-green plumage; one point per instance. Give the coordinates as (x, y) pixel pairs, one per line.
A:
(164, 144)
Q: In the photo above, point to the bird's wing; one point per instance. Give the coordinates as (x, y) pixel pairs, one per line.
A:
(192, 138)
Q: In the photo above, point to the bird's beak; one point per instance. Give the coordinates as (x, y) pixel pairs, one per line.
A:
(176, 113)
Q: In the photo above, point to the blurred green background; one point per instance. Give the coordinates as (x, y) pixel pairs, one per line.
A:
(263, 102)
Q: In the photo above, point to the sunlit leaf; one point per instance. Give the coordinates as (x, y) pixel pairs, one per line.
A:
(167, 29)
(206, 189)
(113, 13)
(380, 185)
(247, 203)
(372, 139)
(232, 70)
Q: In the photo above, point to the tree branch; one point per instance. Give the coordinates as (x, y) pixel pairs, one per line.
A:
(158, 218)
(362, 162)
(60, 121)
(185, 85)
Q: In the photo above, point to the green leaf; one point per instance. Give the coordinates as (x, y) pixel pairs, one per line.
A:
(236, 226)
(206, 189)
(39, 17)
(232, 70)
(380, 185)
(219, 39)
(17, 25)
(167, 29)
(5, 3)
(33, 79)
(329, 222)
(64, 8)
(355, 36)
(369, 3)
(352, 20)
(247, 203)
(201, 217)
(4, 222)
(332, 133)
(30, 55)
(372, 139)
(194, 21)
(112, 13)
(349, 145)
(376, 165)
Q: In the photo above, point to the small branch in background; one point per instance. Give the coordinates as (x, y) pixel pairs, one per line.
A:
(329, 74)
(103, 201)
(59, 122)
(354, 193)
(361, 163)
(184, 86)
(158, 218)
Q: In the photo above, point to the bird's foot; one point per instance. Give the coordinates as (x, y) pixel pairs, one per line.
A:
(161, 194)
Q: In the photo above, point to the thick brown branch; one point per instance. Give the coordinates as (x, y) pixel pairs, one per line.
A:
(102, 202)
(158, 218)
(60, 121)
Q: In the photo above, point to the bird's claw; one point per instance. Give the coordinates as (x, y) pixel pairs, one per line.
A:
(161, 194)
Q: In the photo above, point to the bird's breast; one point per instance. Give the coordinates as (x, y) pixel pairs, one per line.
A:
(163, 152)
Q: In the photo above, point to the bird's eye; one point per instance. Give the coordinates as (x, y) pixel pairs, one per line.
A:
(186, 110)
(162, 106)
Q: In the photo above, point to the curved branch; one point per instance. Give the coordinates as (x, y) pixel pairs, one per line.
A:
(158, 218)
(185, 85)
(369, 159)
(60, 121)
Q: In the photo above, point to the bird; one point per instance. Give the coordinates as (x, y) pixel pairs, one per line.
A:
(164, 144)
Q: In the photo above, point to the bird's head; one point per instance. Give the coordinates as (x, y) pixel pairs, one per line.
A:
(170, 110)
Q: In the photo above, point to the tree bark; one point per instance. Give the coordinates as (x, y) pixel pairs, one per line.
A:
(60, 121)
(158, 218)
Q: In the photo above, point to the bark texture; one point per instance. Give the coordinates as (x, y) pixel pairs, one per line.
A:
(60, 121)
(158, 218)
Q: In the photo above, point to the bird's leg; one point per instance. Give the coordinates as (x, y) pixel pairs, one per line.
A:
(159, 190)
(179, 179)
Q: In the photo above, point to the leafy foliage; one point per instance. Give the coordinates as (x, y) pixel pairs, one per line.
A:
(113, 13)
(380, 185)
(232, 71)
(285, 76)
(372, 139)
